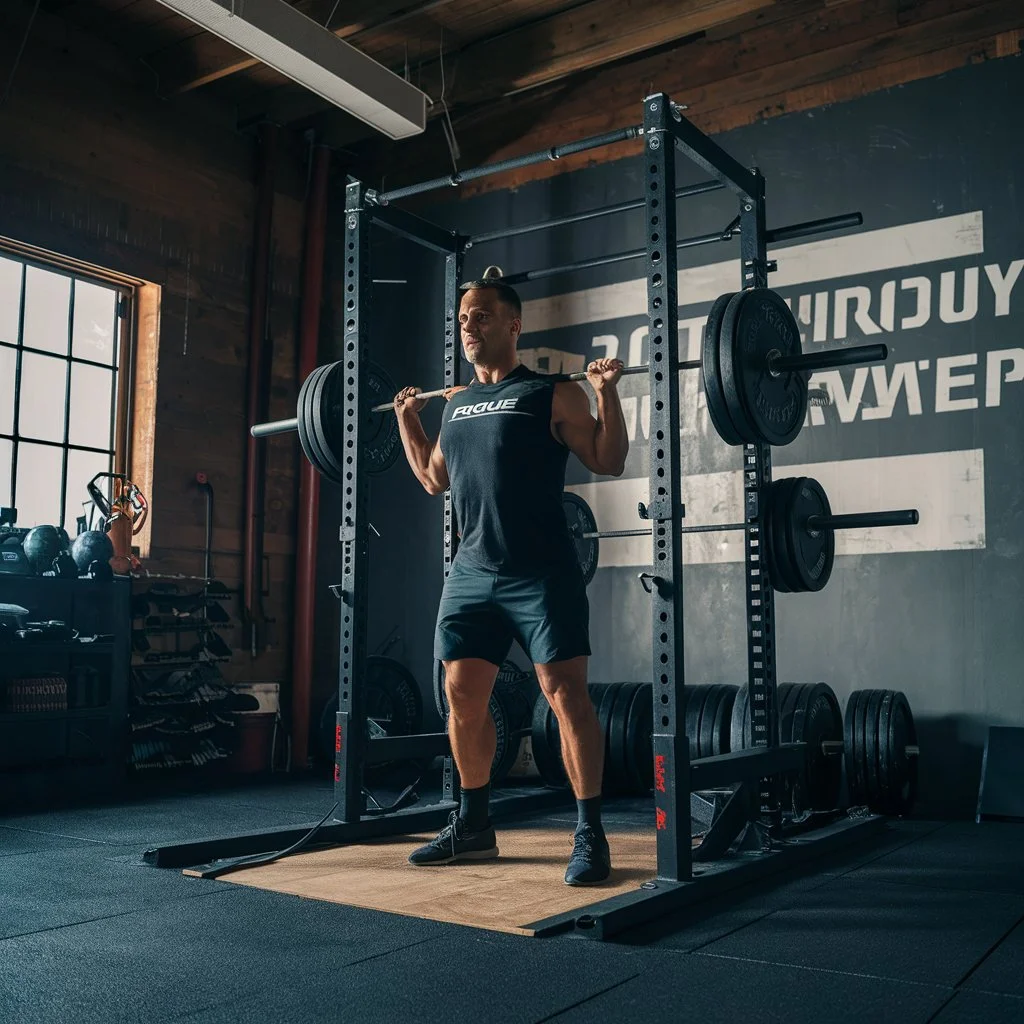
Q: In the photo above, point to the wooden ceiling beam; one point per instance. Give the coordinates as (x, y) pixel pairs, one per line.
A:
(539, 53)
(780, 67)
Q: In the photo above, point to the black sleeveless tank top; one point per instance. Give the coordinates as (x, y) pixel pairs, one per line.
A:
(507, 474)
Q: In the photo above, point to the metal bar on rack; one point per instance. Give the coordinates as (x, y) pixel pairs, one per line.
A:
(350, 730)
(618, 257)
(670, 746)
(554, 153)
(813, 227)
(575, 218)
(416, 229)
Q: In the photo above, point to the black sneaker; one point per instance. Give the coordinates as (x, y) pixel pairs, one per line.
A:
(591, 860)
(455, 842)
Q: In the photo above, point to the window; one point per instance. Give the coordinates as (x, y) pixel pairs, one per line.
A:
(63, 409)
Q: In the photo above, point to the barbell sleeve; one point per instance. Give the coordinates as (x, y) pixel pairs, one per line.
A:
(826, 360)
(276, 427)
(865, 520)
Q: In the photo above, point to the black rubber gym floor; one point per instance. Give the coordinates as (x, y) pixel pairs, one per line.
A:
(924, 923)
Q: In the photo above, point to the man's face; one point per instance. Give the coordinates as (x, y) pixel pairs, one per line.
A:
(490, 329)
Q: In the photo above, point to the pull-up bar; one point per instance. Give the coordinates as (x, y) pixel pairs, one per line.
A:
(811, 227)
(603, 211)
(554, 153)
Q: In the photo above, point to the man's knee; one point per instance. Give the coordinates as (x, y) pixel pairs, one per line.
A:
(468, 683)
(564, 684)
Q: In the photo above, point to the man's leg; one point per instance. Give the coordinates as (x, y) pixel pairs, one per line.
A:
(468, 683)
(564, 684)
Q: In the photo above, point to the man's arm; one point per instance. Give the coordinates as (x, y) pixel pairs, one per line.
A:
(424, 456)
(600, 444)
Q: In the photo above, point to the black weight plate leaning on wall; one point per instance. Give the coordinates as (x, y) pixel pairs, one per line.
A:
(714, 396)
(580, 521)
(706, 725)
(775, 403)
(854, 796)
(739, 723)
(814, 719)
(814, 550)
(723, 719)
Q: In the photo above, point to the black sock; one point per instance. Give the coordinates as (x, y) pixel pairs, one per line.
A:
(473, 807)
(589, 811)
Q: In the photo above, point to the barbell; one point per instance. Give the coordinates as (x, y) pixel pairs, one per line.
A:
(795, 525)
(753, 369)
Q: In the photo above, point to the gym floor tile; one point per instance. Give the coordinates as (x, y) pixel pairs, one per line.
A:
(463, 978)
(17, 841)
(981, 1008)
(162, 822)
(1003, 970)
(983, 858)
(903, 932)
(56, 888)
(166, 961)
(677, 987)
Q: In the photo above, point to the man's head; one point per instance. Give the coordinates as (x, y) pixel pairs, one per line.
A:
(490, 318)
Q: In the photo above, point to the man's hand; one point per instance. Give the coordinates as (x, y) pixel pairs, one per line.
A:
(407, 402)
(602, 373)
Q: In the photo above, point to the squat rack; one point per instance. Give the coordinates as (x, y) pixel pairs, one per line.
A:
(751, 819)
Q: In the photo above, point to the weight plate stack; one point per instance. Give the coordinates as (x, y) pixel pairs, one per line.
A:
(809, 713)
(880, 752)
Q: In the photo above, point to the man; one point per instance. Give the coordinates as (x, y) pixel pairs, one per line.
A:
(502, 449)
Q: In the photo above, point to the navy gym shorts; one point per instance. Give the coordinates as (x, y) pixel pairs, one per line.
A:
(482, 612)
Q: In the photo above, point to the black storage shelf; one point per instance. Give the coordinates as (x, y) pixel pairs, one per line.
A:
(49, 755)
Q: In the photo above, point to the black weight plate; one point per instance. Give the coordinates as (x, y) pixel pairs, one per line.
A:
(381, 439)
(634, 767)
(875, 742)
(714, 395)
(814, 550)
(315, 426)
(304, 414)
(766, 547)
(723, 719)
(580, 520)
(392, 697)
(816, 719)
(440, 700)
(901, 793)
(775, 404)
(640, 731)
(849, 749)
(694, 697)
(739, 723)
(326, 421)
(603, 698)
(616, 747)
(782, 490)
(706, 726)
(860, 765)
(886, 765)
(730, 370)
